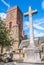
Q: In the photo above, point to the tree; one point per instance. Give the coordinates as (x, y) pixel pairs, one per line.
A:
(4, 36)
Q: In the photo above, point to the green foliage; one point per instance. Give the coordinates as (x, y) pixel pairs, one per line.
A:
(4, 36)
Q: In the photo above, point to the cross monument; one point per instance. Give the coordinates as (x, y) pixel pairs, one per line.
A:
(30, 13)
(32, 52)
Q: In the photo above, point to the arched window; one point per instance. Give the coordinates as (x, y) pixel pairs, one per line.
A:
(10, 24)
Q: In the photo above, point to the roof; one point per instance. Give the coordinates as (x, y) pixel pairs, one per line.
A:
(25, 43)
(15, 7)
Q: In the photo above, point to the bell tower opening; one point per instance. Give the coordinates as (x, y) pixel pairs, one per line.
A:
(10, 24)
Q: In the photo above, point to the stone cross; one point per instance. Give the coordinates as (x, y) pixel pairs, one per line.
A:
(30, 13)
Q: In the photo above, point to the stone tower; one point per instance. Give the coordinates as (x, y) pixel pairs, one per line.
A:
(14, 23)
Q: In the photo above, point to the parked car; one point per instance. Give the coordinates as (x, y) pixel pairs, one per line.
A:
(6, 57)
(1, 57)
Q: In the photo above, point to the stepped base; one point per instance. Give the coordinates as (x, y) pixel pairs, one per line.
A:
(32, 55)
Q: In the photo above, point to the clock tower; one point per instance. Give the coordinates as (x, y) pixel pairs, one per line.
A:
(14, 22)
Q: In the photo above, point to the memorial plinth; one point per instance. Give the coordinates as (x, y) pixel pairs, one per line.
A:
(32, 55)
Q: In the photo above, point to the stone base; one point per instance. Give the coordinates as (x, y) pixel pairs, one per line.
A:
(32, 55)
(27, 63)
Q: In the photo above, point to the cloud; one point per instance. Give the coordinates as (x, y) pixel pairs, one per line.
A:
(3, 16)
(26, 25)
(37, 24)
(42, 4)
(38, 33)
(37, 27)
(6, 3)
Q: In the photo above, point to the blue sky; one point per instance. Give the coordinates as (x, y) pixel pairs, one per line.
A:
(38, 19)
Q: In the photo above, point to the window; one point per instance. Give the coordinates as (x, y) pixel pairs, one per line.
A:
(11, 15)
(10, 24)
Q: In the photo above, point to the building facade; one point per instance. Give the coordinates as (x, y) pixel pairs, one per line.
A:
(14, 22)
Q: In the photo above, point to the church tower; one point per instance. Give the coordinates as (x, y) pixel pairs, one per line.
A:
(14, 22)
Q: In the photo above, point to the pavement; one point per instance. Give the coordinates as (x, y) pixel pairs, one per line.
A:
(9, 63)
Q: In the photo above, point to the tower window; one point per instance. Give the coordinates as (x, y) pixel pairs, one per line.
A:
(10, 24)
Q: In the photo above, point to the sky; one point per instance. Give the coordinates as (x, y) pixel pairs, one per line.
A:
(38, 19)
